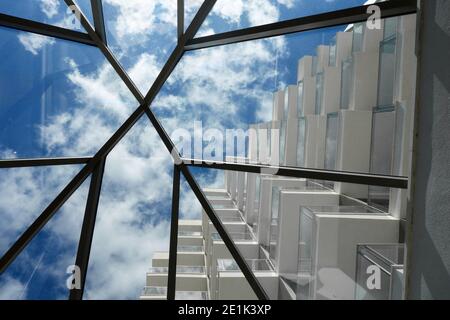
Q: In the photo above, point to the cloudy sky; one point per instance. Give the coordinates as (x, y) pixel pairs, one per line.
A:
(63, 99)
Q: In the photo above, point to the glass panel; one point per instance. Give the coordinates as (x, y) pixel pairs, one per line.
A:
(85, 7)
(180, 269)
(333, 48)
(300, 110)
(236, 236)
(305, 256)
(398, 140)
(24, 194)
(231, 88)
(390, 27)
(255, 265)
(383, 126)
(142, 35)
(331, 141)
(283, 142)
(53, 12)
(189, 234)
(43, 269)
(227, 15)
(358, 37)
(160, 293)
(184, 248)
(215, 249)
(388, 261)
(191, 295)
(346, 83)
(273, 229)
(301, 142)
(286, 104)
(58, 98)
(314, 66)
(328, 271)
(386, 80)
(133, 220)
(319, 93)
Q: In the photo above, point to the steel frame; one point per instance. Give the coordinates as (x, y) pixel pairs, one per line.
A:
(99, 20)
(95, 165)
(172, 274)
(40, 162)
(87, 229)
(45, 29)
(296, 172)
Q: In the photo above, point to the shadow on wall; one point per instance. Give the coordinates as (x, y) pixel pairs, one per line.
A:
(429, 276)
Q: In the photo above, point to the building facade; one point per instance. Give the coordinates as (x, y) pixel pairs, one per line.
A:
(352, 109)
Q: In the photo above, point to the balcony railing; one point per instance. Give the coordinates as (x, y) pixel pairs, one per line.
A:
(161, 292)
(180, 270)
(185, 248)
(230, 265)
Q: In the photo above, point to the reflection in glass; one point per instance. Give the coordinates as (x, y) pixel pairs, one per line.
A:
(40, 271)
(301, 142)
(254, 264)
(333, 52)
(304, 255)
(325, 269)
(383, 128)
(389, 260)
(273, 229)
(347, 77)
(319, 93)
(48, 107)
(331, 143)
(235, 236)
(300, 111)
(358, 37)
(390, 27)
(386, 79)
(283, 142)
(55, 13)
(234, 15)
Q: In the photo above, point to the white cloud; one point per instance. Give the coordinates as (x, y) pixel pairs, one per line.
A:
(262, 12)
(138, 20)
(12, 289)
(50, 7)
(289, 3)
(230, 11)
(34, 42)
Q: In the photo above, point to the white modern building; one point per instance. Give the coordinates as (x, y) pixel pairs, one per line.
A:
(350, 110)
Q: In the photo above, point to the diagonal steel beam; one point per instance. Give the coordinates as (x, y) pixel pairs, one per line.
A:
(105, 50)
(87, 229)
(42, 162)
(43, 218)
(323, 20)
(172, 274)
(231, 246)
(44, 29)
(296, 172)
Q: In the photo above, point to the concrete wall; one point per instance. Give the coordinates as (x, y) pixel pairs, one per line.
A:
(429, 255)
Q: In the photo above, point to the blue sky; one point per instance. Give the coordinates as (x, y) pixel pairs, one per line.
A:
(63, 99)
